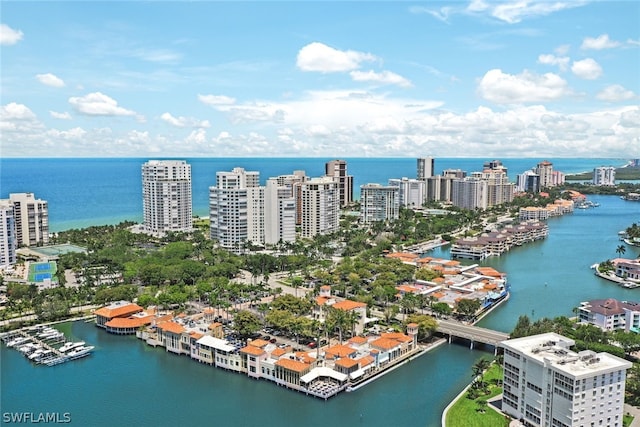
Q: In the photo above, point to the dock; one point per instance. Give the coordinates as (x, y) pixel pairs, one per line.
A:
(33, 341)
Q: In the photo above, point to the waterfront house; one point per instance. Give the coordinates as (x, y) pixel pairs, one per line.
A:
(289, 371)
(610, 314)
(114, 310)
(627, 268)
(254, 356)
(170, 336)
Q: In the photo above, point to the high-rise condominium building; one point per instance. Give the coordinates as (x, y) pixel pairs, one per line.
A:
(499, 189)
(31, 218)
(293, 182)
(338, 170)
(8, 239)
(411, 192)
(166, 196)
(379, 203)
(279, 213)
(425, 168)
(440, 188)
(320, 206)
(470, 192)
(544, 170)
(604, 176)
(236, 209)
(548, 384)
(528, 181)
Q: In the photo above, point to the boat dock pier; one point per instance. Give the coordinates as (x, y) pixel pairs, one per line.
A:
(38, 345)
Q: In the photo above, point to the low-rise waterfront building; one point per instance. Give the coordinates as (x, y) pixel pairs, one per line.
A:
(114, 310)
(628, 269)
(495, 243)
(611, 314)
(548, 384)
(320, 372)
(456, 282)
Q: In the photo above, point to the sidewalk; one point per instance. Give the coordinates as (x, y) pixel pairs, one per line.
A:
(634, 412)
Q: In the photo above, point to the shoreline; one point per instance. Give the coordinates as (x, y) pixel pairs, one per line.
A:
(380, 374)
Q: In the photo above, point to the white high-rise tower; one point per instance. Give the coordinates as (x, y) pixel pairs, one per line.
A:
(166, 196)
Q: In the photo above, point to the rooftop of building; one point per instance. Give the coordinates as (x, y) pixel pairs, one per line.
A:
(610, 306)
(118, 309)
(555, 350)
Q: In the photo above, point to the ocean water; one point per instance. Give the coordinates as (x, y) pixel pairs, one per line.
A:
(83, 192)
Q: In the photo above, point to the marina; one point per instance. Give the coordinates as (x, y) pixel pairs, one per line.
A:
(39, 345)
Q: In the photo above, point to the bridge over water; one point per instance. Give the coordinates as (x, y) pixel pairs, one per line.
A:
(471, 333)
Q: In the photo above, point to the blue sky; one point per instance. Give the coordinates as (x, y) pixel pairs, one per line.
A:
(320, 79)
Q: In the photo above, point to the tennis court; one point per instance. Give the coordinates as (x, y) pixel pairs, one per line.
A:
(42, 271)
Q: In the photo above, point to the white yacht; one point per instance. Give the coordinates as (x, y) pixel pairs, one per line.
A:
(70, 346)
(80, 352)
(17, 341)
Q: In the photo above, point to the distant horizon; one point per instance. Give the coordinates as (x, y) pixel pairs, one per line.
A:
(317, 157)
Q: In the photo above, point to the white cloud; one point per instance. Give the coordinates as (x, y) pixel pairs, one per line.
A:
(50, 80)
(515, 11)
(561, 61)
(477, 6)
(502, 88)
(98, 104)
(71, 134)
(599, 43)
(61, 116)
(441, 14)
(352, 123)
(198, 136)
(320, 57)
(587, 69)
(182, 122)
(17, 119)
(615, 93)
(384, 77)
(9, 36)
(216, 100)
(14, 111)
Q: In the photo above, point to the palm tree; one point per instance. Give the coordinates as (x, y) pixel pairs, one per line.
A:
(620, 250)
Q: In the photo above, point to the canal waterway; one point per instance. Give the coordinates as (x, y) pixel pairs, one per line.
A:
(125, 382)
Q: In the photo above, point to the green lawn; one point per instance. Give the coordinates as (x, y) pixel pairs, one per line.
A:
(626, 420)
(464, 413)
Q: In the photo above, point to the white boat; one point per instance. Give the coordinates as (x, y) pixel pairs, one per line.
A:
(56, 361)
(28, 348)
(52, 336)
(17, 341)
(80, 352)
(35, 354)
(47, 332)
(70, 346)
